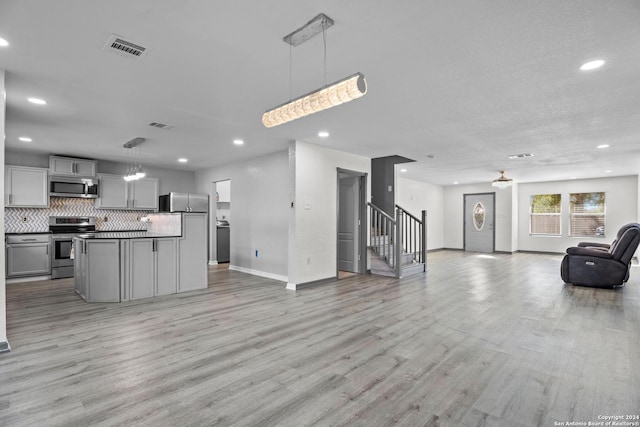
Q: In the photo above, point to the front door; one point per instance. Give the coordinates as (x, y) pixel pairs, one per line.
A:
(479, 235)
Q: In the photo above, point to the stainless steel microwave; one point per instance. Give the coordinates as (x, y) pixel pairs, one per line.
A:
(63, 186)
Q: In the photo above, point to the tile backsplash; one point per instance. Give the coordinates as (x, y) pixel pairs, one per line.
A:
(37, 220)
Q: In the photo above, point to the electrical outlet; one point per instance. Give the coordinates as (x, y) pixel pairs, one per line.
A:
(25, 219)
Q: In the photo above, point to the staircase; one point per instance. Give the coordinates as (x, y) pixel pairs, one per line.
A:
(397, 245)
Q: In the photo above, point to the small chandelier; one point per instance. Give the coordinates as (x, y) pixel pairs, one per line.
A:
(502, 181)
(344, 90)
(134, 169)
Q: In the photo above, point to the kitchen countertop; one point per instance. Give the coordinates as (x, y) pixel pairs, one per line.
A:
(26, 232)
(125, 235)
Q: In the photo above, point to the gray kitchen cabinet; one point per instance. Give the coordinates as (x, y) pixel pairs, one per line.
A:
(80, 268)
(142, 268)
(27, 255)
(192, 252)
(26, 187)
(151, 267)
(72, 167)
(116, 193)
(166, 266)
(97, 268)
(144, 193)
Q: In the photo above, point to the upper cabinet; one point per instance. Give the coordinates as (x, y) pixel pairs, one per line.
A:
(26, 187)
(116, 193)
(72, 167)
(223, 190)
(144, 193)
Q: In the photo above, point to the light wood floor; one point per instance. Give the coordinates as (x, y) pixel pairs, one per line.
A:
(479, 340)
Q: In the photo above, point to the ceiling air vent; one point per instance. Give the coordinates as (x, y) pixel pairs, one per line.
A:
(520, 156)
(125, 48)
(160, 125)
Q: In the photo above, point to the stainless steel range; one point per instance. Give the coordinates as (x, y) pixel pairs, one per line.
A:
(63, 229)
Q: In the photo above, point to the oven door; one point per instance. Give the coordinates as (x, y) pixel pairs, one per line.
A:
(61, 251)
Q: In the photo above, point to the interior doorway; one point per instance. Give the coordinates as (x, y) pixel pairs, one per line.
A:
(351, 220)
(479, 220)
(221, 231)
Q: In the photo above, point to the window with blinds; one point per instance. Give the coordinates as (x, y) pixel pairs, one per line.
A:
(545, 214)
(587, 214)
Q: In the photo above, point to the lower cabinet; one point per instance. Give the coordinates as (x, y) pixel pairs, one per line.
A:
(27, 255)
(192, 247)
(150, 267)
(166, 266)
(97, 269)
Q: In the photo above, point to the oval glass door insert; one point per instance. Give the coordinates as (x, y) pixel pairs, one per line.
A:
(478, 216)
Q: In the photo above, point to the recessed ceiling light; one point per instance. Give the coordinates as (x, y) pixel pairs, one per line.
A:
(403, 170)
(573, 177)
(25, 139)
(183, 160)
(238, 141)
(37, 101)
(455, 183)
(323, 134)
(604, 146)
(592, 65)
(608, 171)
(3, 42)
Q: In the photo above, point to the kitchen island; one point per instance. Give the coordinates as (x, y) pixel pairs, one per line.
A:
(170, 257)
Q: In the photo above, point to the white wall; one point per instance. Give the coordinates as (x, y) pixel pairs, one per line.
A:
(416, 196)
(454, 215)
(260, 213)
(313, 240)
(169, 179)
(3, 299)
(621, 204)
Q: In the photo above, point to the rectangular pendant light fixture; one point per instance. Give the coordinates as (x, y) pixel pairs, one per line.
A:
(345, 90)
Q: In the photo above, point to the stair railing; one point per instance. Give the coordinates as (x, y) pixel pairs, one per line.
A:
(391, 238)
(413, 234)
(383, 237)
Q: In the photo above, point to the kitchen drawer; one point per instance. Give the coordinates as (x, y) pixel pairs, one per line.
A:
(27, 238)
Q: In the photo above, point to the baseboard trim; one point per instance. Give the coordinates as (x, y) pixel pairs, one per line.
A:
(212, 262)
(259, 273)
(540, 252)
(305, 285)
(27, 279)
(4, 347)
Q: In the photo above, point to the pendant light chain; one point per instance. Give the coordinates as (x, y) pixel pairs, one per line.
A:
(290, 72)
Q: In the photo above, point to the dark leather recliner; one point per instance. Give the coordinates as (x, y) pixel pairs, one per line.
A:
(600, 264)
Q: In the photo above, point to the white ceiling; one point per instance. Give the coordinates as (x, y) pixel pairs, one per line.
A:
(469, 82)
